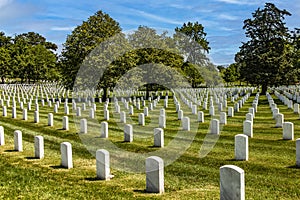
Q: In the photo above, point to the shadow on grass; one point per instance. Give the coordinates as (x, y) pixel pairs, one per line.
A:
(92, 179)
(12, 150)
(232, 160)
(32, 158)
(154, 147)
(141, 191)
(58, 167)
(293, 167)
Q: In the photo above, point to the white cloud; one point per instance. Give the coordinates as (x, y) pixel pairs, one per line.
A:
(157, 18)
(65, 28)
(228, 17)
(239, 2)
(180, 6)
(226, 29)
(4, 3)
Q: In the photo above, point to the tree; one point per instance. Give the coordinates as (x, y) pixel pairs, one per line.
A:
(192, 41)
(5, 58)
(231, 73)
(295, 40)
(264, 60)
(82, 41)
(154, 48)
(192, 74)
(33, 58)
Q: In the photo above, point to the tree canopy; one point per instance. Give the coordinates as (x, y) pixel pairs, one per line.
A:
(83, 39)
(266, 58)
(28, 57)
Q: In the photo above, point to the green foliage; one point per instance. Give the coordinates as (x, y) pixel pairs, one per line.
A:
(82, 41)
(195, 32)
(193, 74)
(231, 74)
(265, 59)
(32, 58)
(190, 39)
(5, 57)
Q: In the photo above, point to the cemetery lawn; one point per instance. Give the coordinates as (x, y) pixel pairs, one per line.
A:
(270, 172)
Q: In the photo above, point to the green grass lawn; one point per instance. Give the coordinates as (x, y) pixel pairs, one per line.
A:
(270, 172)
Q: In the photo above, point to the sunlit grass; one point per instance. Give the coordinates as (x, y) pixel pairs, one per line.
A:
(270, 172)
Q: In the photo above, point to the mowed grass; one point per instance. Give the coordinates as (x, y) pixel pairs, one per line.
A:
(270, 172)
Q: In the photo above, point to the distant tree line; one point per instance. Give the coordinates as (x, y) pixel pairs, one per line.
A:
(270, 57)
(27, 57)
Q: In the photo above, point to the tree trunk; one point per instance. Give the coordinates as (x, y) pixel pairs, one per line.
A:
(104, 96)
(264, 88)
(2, 79)
(147, 91)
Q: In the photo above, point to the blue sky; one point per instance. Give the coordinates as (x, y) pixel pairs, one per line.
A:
(222, 19)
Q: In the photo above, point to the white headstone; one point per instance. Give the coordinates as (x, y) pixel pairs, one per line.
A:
(162, 121)
(288, 131)
(279, 120)
(232, 183)
(215, 127)
(102, 165)
(275, 112)
(78, 111)
(36, 117)
(66, 110)
(154, 175)
(2, 142)
(146, 112)
(236, 107)
(83, 106)
(201, 116)
(248, 128)
(220, 107)
(83, 126)
(106, 115)
(150, 106)
(194, 109)
(141, 119)
(223, 118)
(180, 115)
(162, 112)
(128, 133)
(4, 113)
(249, 117)
(39, 147)
(166, 102)
(25, 114)
(117, 108)
(104, 130)
(18, 140)
(298, 152)
(123, 117)
(252, 111)
(66, 155)
(241, 147)
(296, 108)
(254, 105)
(158, 137)
(131, 111)
(36, 107)
(55, 110)
(14, 113)
(50, 119)
(211, 110)
(230, 112)
(186, 124)
(65, 123)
